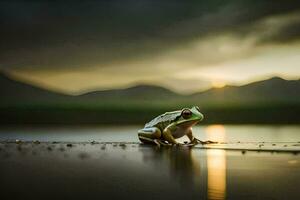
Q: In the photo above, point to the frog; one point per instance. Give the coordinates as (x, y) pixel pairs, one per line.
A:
(166, 128)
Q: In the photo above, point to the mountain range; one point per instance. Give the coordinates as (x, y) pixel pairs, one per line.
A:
(268, 101)
(274, 90)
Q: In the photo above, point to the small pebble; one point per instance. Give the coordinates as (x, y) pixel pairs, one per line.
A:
(94, 142)
(273, 144)
(243, 152)
(285, 145)
(49, 148)
(18, 141)
(36, 142)
(69, 145)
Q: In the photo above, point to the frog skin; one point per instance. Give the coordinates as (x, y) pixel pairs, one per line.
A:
(166, 128)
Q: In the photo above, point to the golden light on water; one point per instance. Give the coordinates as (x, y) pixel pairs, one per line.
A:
(216, 174)
(216, 164)
(215, 133)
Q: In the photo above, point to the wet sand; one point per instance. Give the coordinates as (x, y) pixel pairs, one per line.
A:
(93, 170)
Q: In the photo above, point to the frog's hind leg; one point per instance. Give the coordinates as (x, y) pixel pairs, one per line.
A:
(149, 135)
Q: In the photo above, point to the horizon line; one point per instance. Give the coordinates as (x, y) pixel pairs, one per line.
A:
(136, 84)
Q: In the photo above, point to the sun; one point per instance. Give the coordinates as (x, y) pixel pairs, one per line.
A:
(218, 83)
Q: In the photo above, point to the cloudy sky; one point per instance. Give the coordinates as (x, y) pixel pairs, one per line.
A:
(186, 45)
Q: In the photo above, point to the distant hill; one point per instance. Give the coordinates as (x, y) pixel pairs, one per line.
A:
(141, 92)
(13, 91)
(276, 90)
(271, 90)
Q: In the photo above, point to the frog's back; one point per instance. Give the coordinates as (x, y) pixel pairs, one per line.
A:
(162, 121)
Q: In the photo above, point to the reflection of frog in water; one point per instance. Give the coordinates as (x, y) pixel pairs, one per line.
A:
(164, 129)
(180, 163)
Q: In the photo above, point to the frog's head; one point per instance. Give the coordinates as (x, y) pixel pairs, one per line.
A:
(190, 116)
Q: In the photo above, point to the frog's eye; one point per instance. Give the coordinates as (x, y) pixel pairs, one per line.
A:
(186, 113)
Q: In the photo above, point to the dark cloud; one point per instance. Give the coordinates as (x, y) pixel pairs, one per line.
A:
(86, 33)
(286, 34)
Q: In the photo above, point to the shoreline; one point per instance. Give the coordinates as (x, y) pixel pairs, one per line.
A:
(277, 147)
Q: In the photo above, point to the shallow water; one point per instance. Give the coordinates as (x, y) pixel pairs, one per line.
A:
(104, 170)
(220, 133)
(132, 171)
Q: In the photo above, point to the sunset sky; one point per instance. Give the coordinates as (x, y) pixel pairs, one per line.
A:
(185, 45)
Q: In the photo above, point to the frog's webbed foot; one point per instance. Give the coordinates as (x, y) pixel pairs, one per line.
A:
(146, 140)
(194, 142)
(160, 143)
(205, 142)
(197, 141)
(209, 142)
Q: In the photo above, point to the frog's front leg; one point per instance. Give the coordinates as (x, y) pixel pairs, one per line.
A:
(167, 133)
(193, 140)
(149, 135)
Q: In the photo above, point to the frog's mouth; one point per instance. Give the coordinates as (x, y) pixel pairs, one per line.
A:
(189, 123)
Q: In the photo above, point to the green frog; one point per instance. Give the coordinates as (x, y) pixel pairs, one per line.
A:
(166, 128)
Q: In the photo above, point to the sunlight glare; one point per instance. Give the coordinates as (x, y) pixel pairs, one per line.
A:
(218, 83)
(215, 133)
(216, 174)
